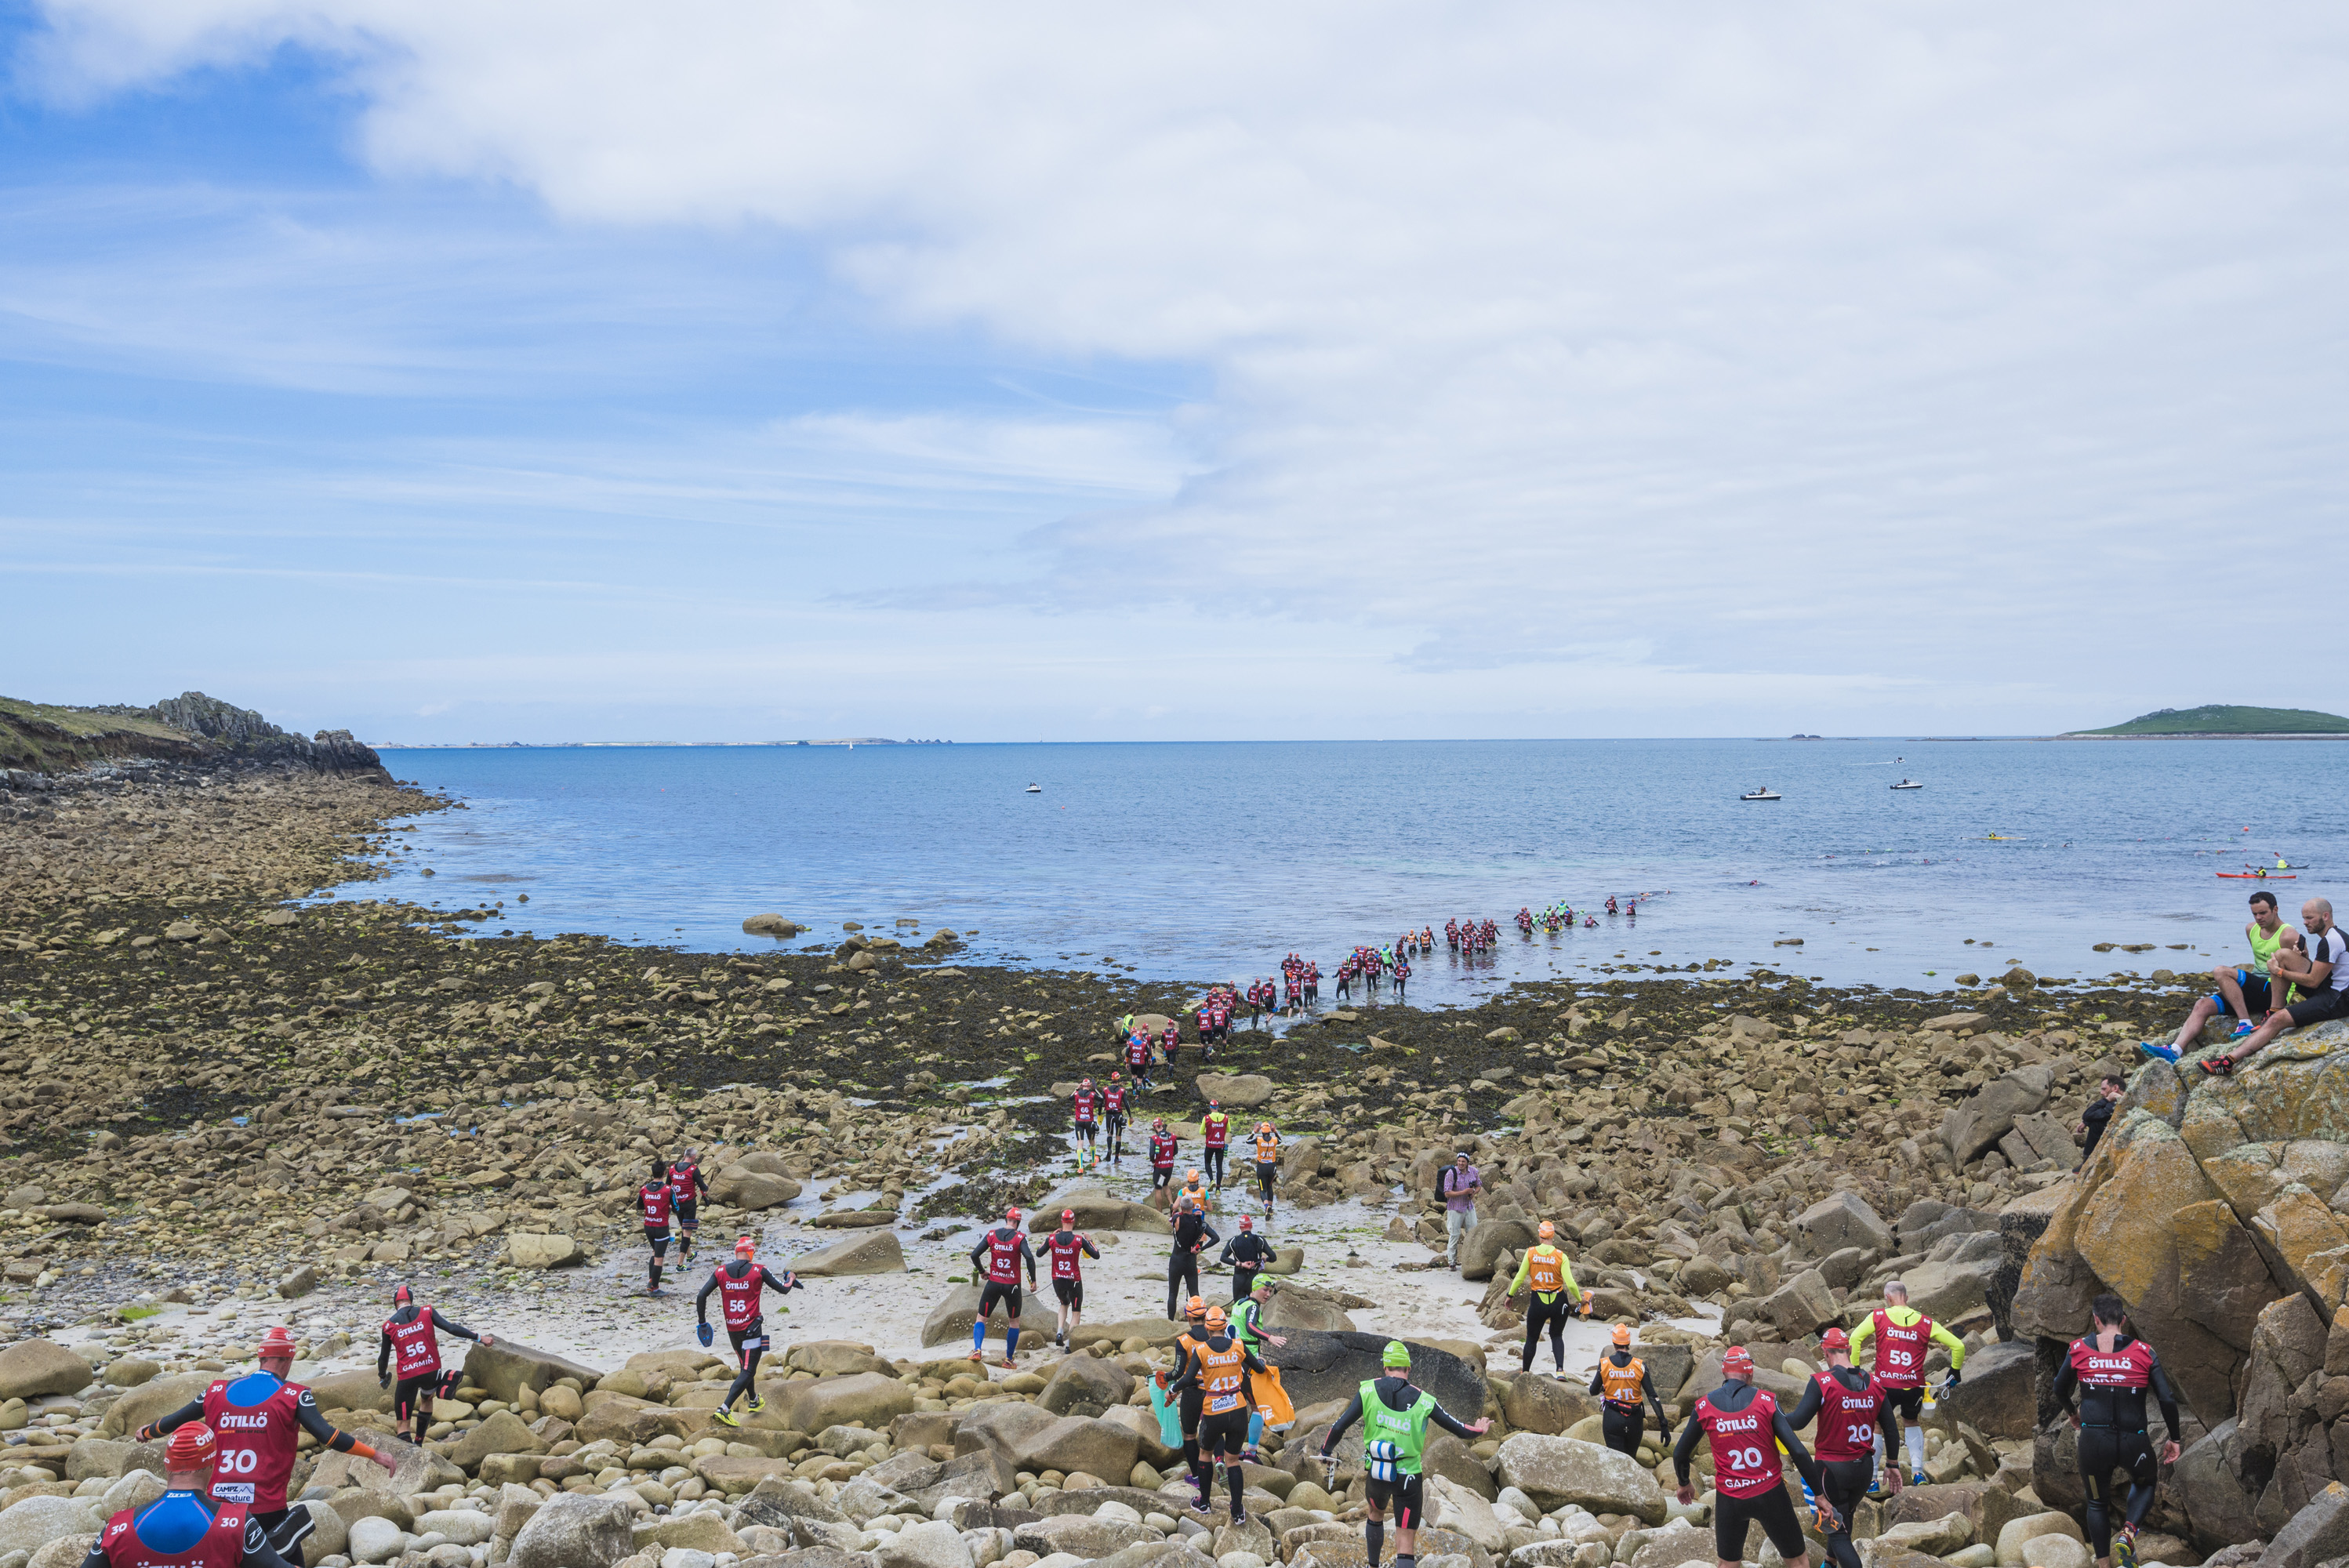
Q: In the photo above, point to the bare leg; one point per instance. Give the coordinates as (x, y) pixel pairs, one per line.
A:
(2204, 1011)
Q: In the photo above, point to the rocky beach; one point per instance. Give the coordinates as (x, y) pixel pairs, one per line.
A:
(240, 1092)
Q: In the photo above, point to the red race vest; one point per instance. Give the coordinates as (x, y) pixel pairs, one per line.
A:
(1846, 1426)
(415, 1348)
(680, 1179)
(1900, 1352)
(656, 1200)
(739, 1296)
(1113, 1102)
(2130, 1367)
(222, 1546)
(1003, 1256)
(1137, 1054)
(256, 1439)
(1068, 1250)
(1085, 1105)
(1216, 1130)
(1162, 1150)
(1745, 1445)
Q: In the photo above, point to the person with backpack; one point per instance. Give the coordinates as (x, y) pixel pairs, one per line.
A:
(1458, 1187)
(1395, 1414)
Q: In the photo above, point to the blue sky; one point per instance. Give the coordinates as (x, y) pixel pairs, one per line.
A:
(456, 373)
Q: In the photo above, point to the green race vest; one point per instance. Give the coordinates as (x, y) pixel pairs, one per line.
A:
(1244, 1327)
(1406, 1430)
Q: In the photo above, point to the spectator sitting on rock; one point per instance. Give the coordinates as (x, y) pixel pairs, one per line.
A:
(2093, 1120)
(2321, 974)
(2242, 992)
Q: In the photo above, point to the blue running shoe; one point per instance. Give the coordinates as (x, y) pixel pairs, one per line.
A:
(2243, 1027)
(2157, 1051)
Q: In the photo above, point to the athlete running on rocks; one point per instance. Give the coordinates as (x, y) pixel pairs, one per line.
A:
(2111, 1373)
(1394, 1416)
(739, 1284)
(655, 1201)
(1193, 1235)
(257, 1422)
(182, 1527)
(411, 1347)
(1215, 1137)
(686, 1189)
(1169, 1040)
(1544, 1271)
(1162, 1145)
(1746, 1429)
(1853, 1410)
(1622, 1382)
(1069, 1247)
(1904, 1338)
(1113, 1108)
(1137, 1057)
(1217, 1366)
(1002, 1251)
(1248, 1327)
(1082, 1105)
(1266, 1143)
(1246, 1254)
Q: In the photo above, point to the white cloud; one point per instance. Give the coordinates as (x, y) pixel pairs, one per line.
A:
(1921, 351)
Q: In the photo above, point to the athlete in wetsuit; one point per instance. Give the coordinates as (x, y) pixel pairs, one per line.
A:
(257, 1422)
(1161, 1153)
(655, 1201)
(1266, 1146)
(411, 1347)
(1137, 1057)
(1852, 1409)
(686, 1189)
(1217, 1366)
(1395, 1415)
(1193, 1235)
(1081, 1106)
(1746, 1429)
(1002, 1251)
(1248, 1327)
(1067, 1248)
(1904, 1338)
(1401, 979)
(183, 1528)
(1114, 1095)
(1622, 1382)
(1246, 1254)
(1544, 1271)
(1215, 1137)
(739, 1284)
(2110, 1373)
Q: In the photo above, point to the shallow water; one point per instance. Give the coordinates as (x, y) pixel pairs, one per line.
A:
(1209, 862)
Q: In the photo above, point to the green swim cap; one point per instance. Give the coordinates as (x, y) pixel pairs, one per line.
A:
(1396, 1354)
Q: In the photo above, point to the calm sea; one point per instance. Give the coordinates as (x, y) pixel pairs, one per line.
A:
(1209, 862)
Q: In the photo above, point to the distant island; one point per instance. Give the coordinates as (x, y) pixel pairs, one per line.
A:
(2226, 719)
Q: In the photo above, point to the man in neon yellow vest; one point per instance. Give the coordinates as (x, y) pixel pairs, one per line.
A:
(1394, 1416)
(2242, 992)
(1904, 1336)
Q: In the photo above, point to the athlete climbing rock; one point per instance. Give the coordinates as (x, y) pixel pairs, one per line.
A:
(1544, 1271)
(1747, 1430)
(1003, 1252)
(1622, 1383)
(2111, 1372)
(655, 1202)
(1218, 1366)
(411, 1347)
(1193, 1234)
(687, 1188)
(257, 1420)
(739, 1284)
(1394, 1416)
(1068, 1247)
(1215, 1137)
(1852, 1411)
(184, 1526)
(1904, 1336)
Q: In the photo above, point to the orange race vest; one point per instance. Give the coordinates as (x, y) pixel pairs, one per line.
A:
(1620, 1385)
(1221, 1375)
(1267, 1148)
(1543, 1273)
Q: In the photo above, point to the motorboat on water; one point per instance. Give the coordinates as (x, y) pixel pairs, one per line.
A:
(1762, 793)
(1033, 789)
(1907, 784)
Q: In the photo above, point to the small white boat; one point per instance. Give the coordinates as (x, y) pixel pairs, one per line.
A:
(1033, 789)
(1764, 793)
(1907, 784)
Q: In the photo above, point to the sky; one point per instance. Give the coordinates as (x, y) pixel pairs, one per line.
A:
(761, 369)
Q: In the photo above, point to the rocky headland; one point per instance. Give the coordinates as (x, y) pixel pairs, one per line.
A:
(238, 1090)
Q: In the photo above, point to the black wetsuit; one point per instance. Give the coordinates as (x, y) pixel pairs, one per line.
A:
(1192, 1233)
(1246, 1252)
(412, 1397)
(1406, 1492)
(1773, 1509)
(1222, 1433)
(751, 1340)
(1845, 1481)
(2111, 1385)
(1619, 1427)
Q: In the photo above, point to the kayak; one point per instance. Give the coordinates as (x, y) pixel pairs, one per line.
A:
(2258, 876)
